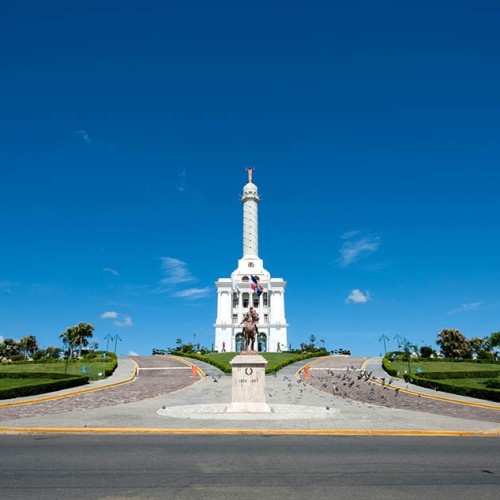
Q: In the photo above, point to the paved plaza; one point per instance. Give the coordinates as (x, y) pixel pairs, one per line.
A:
(165, 394)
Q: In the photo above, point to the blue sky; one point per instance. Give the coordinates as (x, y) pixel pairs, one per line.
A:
(373, 127)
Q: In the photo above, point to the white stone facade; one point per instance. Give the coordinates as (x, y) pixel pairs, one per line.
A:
(235, 295)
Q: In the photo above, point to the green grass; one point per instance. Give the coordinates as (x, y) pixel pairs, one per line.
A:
(443, 366)
(74, 368)
(276, 360)
(14, 383)
(476, 383)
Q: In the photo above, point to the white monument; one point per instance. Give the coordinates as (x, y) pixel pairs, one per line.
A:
(250, 285)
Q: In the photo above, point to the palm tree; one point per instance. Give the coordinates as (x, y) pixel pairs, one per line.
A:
(68, 338)
(83, 332)
(29, 345)
(77, 336)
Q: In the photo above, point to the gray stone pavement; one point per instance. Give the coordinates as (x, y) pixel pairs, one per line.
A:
(170, 399)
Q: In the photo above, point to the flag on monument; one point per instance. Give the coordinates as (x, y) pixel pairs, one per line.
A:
(256, 287)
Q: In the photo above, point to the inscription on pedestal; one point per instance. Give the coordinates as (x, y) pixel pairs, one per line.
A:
(248, 384)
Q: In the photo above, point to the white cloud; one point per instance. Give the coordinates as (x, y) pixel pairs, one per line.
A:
(85, 136)
(357, 247)
(176, 271)
(114, 272)
(120, 319)
(132, 353)
(193, 293)
(126, 321)
(471, 306)
(357, 297)
(1, 339)
(109, 314)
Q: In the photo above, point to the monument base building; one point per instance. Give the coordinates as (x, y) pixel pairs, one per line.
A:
(250, 285)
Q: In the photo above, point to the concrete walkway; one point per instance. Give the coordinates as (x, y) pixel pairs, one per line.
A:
(183, 403)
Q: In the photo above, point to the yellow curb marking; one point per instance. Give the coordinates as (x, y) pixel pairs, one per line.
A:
(309, 432)
(307, 365)
(185, 361)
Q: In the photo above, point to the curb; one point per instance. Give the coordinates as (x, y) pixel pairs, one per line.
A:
(186, 362)
(274, 432)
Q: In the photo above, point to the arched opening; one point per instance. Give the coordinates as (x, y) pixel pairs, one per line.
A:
(240, 342)
(262, 342)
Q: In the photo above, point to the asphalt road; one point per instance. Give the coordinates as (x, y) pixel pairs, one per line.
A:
(260, 467)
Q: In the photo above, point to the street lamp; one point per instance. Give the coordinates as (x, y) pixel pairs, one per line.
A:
(407, 346)
(398, 339)
(108, 337)
(385, 338)
(117, 338)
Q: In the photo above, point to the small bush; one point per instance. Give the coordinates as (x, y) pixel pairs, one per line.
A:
(493, 383)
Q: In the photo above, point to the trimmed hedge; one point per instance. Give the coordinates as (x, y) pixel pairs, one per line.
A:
(110, 369)
(387, 366)
(493, 383)
(58, 382)
(473, 392)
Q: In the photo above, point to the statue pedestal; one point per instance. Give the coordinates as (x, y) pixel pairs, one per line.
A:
(248, 384)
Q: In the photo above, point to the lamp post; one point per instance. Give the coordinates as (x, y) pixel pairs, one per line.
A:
(385, 338)
(117, 338)
(398, 340)
(407, 346)
(108, 337)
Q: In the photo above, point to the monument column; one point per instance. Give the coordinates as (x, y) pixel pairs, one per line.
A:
(250, 200)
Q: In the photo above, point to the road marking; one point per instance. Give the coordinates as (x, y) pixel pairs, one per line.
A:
(305, 432)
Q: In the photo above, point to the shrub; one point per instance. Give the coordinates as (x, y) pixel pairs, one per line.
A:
(473, 392)
(387, 366)
(58, 382)
(493, 383)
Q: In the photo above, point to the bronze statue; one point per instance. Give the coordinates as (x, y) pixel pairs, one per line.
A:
(250, 171)
(250, 331)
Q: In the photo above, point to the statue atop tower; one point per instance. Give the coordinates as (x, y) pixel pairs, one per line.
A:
(250, 171)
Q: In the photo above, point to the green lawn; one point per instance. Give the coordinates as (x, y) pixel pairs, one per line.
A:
(11, 383)
(276, 360)
(74, 368)
(477, 383)
(443, 366)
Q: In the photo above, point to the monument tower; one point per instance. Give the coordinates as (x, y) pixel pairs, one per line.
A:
(250, 285)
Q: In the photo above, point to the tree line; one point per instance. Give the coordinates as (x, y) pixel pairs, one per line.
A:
(454, 345)
(74, 339)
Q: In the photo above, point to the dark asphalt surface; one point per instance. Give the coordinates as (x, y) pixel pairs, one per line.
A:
(263, 467)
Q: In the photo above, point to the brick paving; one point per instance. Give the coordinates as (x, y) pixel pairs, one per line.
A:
(149, 384)
(341, 377)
